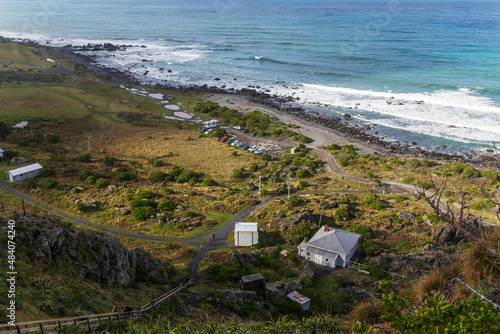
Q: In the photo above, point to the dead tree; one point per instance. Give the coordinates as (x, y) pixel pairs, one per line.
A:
(460, 220)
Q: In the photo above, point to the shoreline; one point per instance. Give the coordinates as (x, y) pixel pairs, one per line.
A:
(323, 130)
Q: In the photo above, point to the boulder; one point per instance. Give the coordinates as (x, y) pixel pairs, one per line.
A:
(281, 289)
(122, 211)
(406, 216)
(243, 257)
(307, 270)
(238, 297)
(446, 235)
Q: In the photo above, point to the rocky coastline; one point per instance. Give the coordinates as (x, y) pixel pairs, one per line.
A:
(282, 104)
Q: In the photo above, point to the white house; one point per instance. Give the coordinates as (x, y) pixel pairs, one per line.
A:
(330, 247)
(24, 173)
(212, 123)
(246, 234)
(305, 303)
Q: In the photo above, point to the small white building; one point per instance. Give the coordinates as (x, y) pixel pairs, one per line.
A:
(330, 247)
(212, 123)
(24, 173)
(305, 303)
(1, 152)
(246, 234)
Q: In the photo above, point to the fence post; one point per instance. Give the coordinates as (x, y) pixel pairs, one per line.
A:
(19, 329)
(76, 322)
(41, 328)
(60, 325)
(99, 319)
(88, 324)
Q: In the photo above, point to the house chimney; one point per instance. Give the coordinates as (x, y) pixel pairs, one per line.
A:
(327, 228)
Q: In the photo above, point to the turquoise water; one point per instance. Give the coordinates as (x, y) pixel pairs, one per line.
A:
(373, 59)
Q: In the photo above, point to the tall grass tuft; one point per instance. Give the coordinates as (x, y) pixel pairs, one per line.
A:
(430, 284)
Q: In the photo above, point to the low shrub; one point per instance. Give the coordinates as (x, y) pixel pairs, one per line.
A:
(101, 183)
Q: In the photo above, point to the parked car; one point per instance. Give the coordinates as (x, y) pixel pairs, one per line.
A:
(259, 151)
(223, 140)
(237, 127)
(245, 147)
(253, 134)
(253, 148)
(230, 140)
(240, 144)
(236, 142)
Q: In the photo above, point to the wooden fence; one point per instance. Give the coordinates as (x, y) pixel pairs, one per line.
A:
(87, 322)
(365, 269)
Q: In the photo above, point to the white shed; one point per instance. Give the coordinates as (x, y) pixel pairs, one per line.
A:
(1, 152)
(246, 234)
(24, 173)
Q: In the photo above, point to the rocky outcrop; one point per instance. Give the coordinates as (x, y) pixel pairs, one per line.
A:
(307, 269)
(446, 235)
(93, 254)
(291, 222)
(243, 257)
(281, 289)
(406, 216)
(238, 297)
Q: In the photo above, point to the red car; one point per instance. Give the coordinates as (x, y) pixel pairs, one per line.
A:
(223, 140)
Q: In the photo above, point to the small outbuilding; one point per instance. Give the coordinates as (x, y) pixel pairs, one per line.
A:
(1, 153)
(24, 173)
(251, 282)
(305, 303)
(246, 234)
(330, 247)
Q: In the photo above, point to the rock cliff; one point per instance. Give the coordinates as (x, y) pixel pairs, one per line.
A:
(94, 254)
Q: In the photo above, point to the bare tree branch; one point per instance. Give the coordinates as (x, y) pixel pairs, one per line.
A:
(450, 216)
(491, 200)
(477, 293)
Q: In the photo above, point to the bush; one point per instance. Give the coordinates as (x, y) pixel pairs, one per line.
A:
(374, 203)
(53, 139)
(143, 213)
(253, 168)
(265, 157)
(143, 193)
(109, 161)
(469, 172)
(167, 205)
(137, 203)
(50, 184)
(301, 173)
(489, 174)
(158, 177)
(188, 213)
(342, 214)
(343, 162)
(407, 180)
(295, 201)
(81, 207)
(209, 182)
(404, 245)
(218, 133)
(156, 163)
(69, 169)
(124, 176)
(9, 154)
(264, 192)
(192, 182)
(86, 157)
(101, 183)
(238, 173)
(303, 185)
(31, 183)
(91, 179)
(46, 172)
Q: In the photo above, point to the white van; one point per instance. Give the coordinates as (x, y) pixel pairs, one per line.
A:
(212, 123)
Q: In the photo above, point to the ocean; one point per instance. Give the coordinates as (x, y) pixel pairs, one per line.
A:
(425, 71)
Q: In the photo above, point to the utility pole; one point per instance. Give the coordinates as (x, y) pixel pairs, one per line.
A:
(259, 183)
(31, 130)
(88, 143)
(289, 183)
